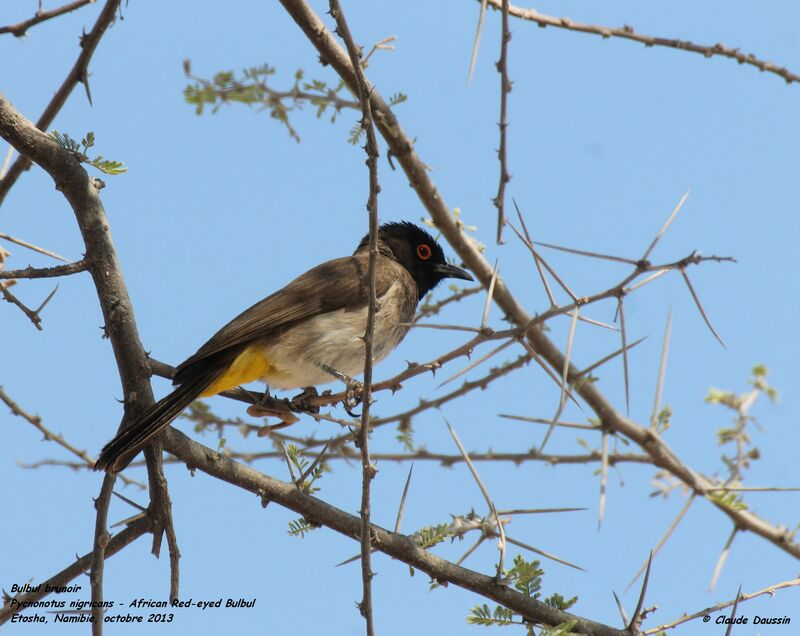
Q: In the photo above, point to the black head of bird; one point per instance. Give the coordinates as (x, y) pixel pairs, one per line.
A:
(417, 251)
(306, 333)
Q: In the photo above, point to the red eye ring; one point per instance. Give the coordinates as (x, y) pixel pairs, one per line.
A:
(424, 251)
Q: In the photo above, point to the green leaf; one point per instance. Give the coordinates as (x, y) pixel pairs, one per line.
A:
(526, 576)
(559, 630)
(397, 98)
(559, 602)
(300, 527)
(429, 536)
(482, 615)
(79, 151)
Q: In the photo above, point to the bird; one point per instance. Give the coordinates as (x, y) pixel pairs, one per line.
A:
(307, 333)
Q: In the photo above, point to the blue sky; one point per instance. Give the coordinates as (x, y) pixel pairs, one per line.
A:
(217, 211)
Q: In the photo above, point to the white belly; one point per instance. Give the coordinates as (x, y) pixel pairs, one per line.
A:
(336, 339)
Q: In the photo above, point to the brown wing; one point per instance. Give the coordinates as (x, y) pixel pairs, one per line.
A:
(337, 284)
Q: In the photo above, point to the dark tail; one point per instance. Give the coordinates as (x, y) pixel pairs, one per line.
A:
(119, 452)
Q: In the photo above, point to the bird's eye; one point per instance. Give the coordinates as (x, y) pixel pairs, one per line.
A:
(424, 251)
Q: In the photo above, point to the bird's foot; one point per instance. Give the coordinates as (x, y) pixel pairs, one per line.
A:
(352, 396)
(269, 407)
(279, 410)
(353, 392)
(302, 401)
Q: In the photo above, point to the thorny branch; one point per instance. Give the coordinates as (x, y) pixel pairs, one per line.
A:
(397, 546)
(31, 246)
(367, 469)
(770, 590)
(628, 33)
(36, 422)
(79, 73)
(502, 153)
(31, 314)
(75, 569)
(45, 272)
(346, 453)
(120, 327)
(657, 450)
(21, 28)
(403, 150)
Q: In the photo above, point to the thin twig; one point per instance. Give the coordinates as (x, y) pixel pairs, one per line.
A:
(733, 611)
(45, 272)
(429, 309)
(471, 549)
(73, 570)
(666, 225)
(722, 558)
(424, 325)
(666, 536)
(621, 609)
(562, 401)
(476, 44)
(646, 281)
(585, 372)
(288, 460)
(502, 542)
(489, 295)
(505, 89)
(478, 362)
(537, 511)
(598, 255)
(346, 454)
(368, 470)
(770, 591)
(601, 506)
(624, 336)
(528, 241)
(700, 306)
(402, 505)
(101, 540)
(78, 74)
(662, 371)
(320, 456)
(541, 420)
(628, 33)
(31, 314)
(636, 619)
(6, 162)
(546, 555)
(750, 489)
(21, 28)
(49, 436)
(31, 246)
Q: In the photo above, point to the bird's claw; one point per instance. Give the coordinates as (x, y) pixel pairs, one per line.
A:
(353, 392)
(352, 397)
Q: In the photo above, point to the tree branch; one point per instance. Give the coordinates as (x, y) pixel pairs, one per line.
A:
(395, 545)
(367, 469)
(402, 148)
(75, 569)
(505, 89)
(21, 28)
(79, 73)
(101, 259)
(45, 272)
(627, 33)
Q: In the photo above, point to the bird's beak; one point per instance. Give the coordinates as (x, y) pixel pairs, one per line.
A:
(451, 271)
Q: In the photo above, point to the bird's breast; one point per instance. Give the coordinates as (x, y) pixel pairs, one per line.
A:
(336, 339)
